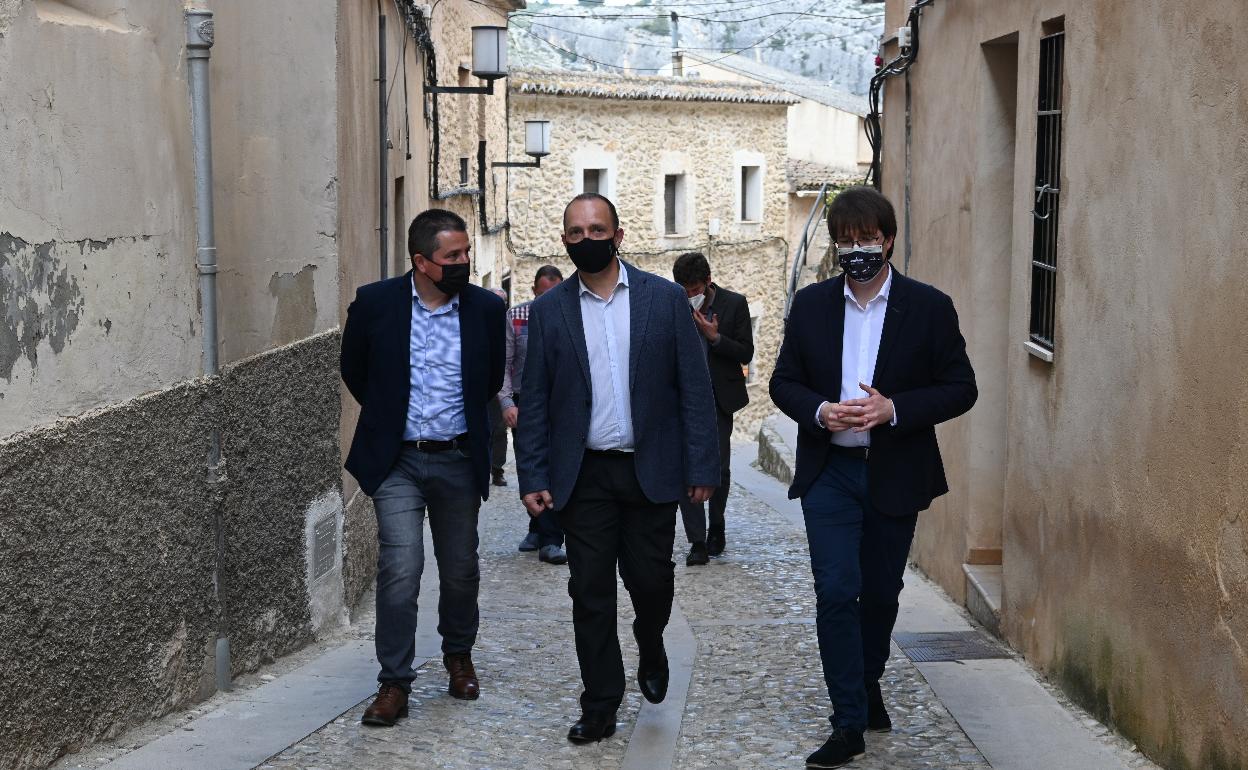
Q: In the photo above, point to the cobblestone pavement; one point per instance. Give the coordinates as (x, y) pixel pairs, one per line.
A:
(756, 699)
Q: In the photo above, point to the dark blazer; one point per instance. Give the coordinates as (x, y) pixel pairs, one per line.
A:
(375, 367)
(670, 391)
(922, 366)
(735, 349)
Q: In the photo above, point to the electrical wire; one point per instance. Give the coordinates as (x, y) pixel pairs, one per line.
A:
(667, 46)
(707, 19)
(727, 55)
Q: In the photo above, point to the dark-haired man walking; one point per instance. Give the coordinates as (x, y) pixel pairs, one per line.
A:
(423, 354)
(871, 362)
(545, 535)
(723, 318)
(616, 423)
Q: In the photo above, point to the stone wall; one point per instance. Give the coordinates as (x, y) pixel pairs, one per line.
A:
(107, 548)
(1112, 477)
(647, 139)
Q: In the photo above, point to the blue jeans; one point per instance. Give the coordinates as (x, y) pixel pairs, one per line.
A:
(442, 483)
(858, 556)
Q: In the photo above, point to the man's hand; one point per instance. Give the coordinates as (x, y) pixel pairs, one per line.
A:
(866, 413)
(830, 416)
(536, 502)
(708, 327)
(511, 415)
(699, 495)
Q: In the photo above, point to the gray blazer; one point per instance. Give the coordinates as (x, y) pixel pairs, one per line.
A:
(670, 390)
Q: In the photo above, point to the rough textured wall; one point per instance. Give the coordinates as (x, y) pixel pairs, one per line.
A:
(1126, 557)
(106, 558)
(275, 167)
(107, 547)
(280, 445)
(649, 139)
(97, 276)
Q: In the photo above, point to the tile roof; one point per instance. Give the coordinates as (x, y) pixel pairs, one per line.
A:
(797, 85)
(601, 85)
(809, 175)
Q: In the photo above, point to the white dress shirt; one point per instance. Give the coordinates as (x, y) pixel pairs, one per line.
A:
(860, 347)
(607, 331)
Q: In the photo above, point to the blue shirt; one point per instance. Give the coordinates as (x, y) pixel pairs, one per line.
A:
(607, 341)
(435, 406)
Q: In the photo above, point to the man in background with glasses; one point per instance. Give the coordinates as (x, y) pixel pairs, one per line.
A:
(871, 362)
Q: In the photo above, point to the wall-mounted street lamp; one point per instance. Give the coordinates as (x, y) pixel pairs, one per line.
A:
(489, 61)
(536, 145)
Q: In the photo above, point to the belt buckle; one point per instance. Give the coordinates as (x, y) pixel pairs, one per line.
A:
(422, 445)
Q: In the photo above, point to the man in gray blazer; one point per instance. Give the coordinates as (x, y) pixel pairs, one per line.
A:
(617, 422)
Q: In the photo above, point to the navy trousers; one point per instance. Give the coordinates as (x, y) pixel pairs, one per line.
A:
(858, 556)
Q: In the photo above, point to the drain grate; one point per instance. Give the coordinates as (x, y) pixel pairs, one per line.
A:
(938, 646)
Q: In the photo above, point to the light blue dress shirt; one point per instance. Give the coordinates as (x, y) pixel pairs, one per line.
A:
(435, 406)
(607, 332)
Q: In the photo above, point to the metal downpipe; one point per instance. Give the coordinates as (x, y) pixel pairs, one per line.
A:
(200, 34)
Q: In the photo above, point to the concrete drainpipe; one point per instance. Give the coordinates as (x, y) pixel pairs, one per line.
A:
(199, 39)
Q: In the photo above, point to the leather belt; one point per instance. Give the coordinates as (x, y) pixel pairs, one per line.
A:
(857, 452)
(434, 445)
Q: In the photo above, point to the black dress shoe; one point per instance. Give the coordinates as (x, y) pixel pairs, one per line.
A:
(838, 750)
(715, 543)
(697, 555)
(591, 728)
(653, 674)
(877, 715)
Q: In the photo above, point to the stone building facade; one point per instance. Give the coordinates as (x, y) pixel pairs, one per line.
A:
(125, 554)
(1082, 204)
(691, 166)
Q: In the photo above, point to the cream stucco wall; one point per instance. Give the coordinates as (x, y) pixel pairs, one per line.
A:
(1113, 478)
(644, 140)
(97, 265)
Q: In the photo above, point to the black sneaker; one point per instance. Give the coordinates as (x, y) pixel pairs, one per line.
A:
(877, 715)
(839, 749)
(697, 555)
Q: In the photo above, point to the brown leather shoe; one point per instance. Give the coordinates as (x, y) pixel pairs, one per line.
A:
(388, 707)
(463, 684)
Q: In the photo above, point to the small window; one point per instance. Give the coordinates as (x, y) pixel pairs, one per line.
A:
(463, 171)
(674, 204)
(1047, 196)
(751, 194)
(592, 179)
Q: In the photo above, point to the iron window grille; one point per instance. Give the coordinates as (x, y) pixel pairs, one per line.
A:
(1047, 192)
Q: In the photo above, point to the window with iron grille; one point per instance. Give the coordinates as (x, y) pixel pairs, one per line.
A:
(1047, 192)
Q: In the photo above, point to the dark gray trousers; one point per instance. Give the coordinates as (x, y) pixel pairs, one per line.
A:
(694, 516)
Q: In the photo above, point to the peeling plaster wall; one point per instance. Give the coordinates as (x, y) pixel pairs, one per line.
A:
(1120, 500)
(276, 174)
(648, 139)
(97, 269)
(108, 567)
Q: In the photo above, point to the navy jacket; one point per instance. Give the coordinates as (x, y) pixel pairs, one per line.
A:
(375, 367)
(922, 366)
(669, 386)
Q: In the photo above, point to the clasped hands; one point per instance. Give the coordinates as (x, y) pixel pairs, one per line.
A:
(857, 414)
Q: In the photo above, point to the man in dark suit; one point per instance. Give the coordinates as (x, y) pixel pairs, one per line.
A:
(616, 423)
(423, 354)
(871, 362)
(723, 318)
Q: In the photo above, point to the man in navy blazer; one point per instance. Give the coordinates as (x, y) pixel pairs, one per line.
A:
(617, 422)
(423, 355)
(871, 362)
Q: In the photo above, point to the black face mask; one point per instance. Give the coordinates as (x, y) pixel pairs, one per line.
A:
(454, 279)
(862, 263)
(592, 255)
